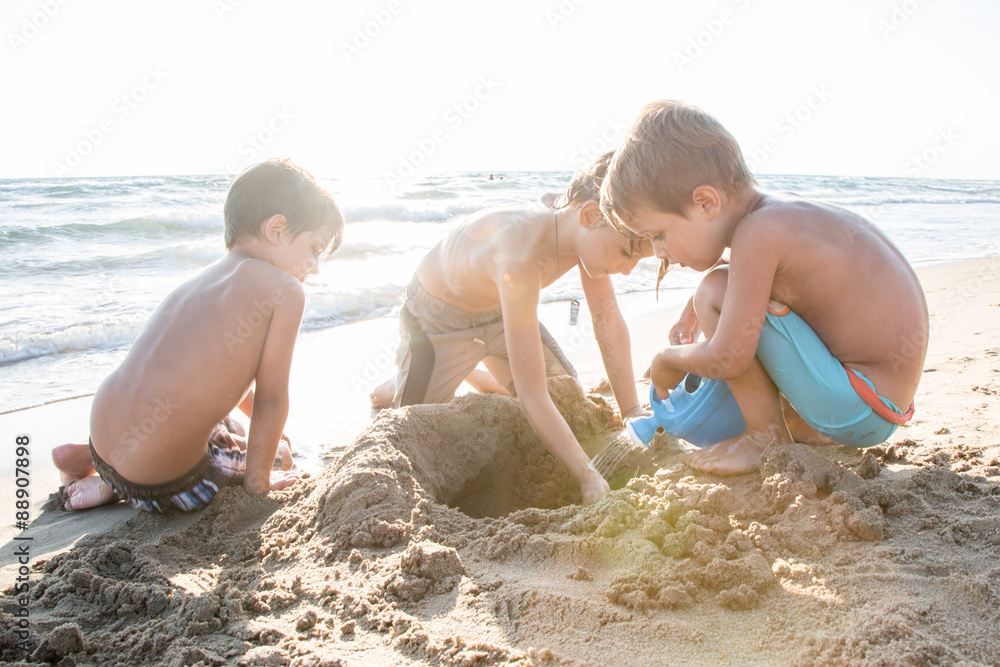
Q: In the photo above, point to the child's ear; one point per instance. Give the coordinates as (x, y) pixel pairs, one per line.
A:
(274, 229)
(590, 214)
(707, 200)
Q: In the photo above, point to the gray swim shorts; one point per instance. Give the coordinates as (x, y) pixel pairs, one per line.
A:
(440, 344)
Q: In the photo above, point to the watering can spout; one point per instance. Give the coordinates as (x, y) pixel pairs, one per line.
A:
(699, 410)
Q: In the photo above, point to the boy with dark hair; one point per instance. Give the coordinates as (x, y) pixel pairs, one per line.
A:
(159, 430)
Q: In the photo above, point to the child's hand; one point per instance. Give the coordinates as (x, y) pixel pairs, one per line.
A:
(661, 374)
(594, 487)
(685, 328)
(661, 390)
(282, 480)
(636, 412)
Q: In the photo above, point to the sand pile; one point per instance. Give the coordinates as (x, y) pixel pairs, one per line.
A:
(447, 534)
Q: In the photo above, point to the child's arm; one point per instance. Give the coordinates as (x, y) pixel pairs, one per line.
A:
(613, 338)
(270, 402)
(519, 289)
(246, 407)
(729, 353)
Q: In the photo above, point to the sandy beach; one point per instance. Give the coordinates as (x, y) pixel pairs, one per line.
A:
(446, 534)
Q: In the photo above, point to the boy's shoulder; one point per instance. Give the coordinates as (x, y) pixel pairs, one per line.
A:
(775, 208)
(509, 231)
(780, 215)
(256, 278)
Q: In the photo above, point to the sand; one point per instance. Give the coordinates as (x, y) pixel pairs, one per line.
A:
(446, 534)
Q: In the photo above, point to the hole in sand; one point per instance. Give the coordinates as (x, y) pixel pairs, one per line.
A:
(520, 473)
(477, 454)
(512, 482)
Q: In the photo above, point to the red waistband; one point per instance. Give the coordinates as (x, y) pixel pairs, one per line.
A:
(873, 400)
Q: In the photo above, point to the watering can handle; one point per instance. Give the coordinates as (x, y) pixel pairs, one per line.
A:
(654, 398)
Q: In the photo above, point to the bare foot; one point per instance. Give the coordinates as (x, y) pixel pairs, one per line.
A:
(735, 456)
(381, 396)
(800, 430)
(90, 491)
(594, 487)
(73, 462)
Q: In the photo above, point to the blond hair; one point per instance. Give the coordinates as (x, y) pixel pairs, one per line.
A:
(282, 187)
(671, 149)
(586, 184)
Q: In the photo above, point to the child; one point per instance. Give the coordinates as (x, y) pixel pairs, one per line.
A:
(159, 433)
(816, 302)
(475, 298)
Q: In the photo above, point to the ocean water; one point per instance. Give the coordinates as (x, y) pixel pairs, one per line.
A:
(85, 261)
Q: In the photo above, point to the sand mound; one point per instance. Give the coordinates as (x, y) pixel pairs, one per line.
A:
(447, 534)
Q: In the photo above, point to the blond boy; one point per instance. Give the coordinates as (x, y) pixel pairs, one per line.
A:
(159, 433)
(475, 298)
(816, 303)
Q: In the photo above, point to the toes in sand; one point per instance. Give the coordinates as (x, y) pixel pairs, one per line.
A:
(90, 491)
(735, 456)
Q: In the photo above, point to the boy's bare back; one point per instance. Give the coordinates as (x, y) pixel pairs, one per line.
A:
(845, 278)
(222, 340)
(192, 364)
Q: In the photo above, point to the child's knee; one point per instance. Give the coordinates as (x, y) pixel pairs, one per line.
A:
(711, 291)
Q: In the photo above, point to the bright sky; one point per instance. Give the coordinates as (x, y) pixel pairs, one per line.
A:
(388, 88)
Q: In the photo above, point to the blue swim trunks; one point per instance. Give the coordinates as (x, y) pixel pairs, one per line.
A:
(223, 464)
(839, 402)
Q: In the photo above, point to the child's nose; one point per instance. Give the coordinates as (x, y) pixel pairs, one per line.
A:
(659, 249)
(628, 265)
